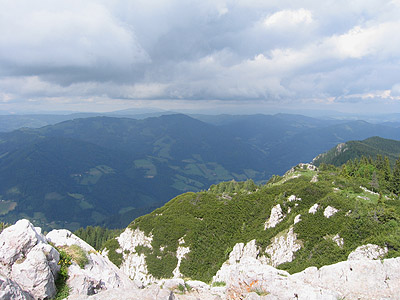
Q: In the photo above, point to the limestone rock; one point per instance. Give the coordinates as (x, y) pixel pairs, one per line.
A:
(338, 240)
(251, 276)
(11, 290)
(297, 219)
(330, 211)
(172, 284)
(37, 272)
(313, 209)
(15, 243)
(28, 261)
(198, 285)
(314, 179)
(180, 254)
(152, 293)
(275, 218)
(99, 274)
(362, 279)
(64, 237)
(238, 255)
(240, 250)
(134, 264)
(293, 198)
(367, 252)
(282, 248)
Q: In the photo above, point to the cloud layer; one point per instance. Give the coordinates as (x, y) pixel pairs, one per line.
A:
(60, 52)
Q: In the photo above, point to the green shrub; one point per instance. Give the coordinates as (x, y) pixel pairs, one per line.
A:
(115, 257)
(62, 276)
(219, 283)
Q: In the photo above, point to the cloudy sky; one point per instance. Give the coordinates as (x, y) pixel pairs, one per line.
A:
(239, 55)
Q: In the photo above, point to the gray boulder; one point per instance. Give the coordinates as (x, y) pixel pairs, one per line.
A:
(28, 261)
(98, 275)
(11, 290)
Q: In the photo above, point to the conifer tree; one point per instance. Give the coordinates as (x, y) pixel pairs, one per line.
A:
(396, 177)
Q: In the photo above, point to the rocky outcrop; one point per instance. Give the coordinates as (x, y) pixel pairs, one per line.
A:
(28, 261)
(245, 275)
(366, 279)
(282, 248)
(275, 218)
(181, 252)
(368, 252)
(338, 240)
(251, 277)
(297, 219)
(362, 279)
(11, 290)
(330, 211)
(314, 179)
(152, 293)
(134, 263)
(313, 209)
(29, 265)
(98, 274)
(292, 198)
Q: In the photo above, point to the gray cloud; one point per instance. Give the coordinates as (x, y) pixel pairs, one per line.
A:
(64, 51)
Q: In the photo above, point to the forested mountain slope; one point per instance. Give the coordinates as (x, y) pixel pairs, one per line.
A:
(308, 217)
(105, 170)
(351, 150)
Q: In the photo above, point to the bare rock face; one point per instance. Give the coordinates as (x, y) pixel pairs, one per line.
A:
(28, 260)
(330, 211)
(180, 254)
(362, 279)
(313, 209)
(11, 290)
(134, 264)
(367, 252)
(275, 218)
(37, 272)
(64, 237)
(15, 243)
(297, 219)
(292, 198)
(151, 293)
(239, 253)
(282, 248)
(98, 275)
(251, 277)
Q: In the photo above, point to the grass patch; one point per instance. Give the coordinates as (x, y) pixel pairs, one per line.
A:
(61, 281)
(219, 283)
(77, 254)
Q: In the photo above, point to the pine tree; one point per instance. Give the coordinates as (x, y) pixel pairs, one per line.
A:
(396, 177)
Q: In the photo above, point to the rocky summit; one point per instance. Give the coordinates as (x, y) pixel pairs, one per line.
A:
(30, 265)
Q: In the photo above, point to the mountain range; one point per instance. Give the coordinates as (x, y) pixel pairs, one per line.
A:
(351, 150)
(109, 170)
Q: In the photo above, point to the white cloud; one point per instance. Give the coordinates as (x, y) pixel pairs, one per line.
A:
(358, 42)
(201, 49)
(286, 18)
(47, 35)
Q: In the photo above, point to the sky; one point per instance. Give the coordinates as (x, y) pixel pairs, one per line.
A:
(240, 56)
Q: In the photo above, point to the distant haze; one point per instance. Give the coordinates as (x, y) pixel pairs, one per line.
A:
(200, 56)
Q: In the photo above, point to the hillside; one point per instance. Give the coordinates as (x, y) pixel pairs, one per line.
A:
(308, 217)
(109, 170)
(351, 150)
(88, 171)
